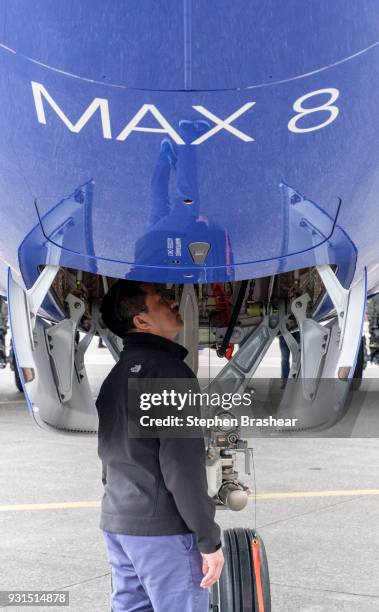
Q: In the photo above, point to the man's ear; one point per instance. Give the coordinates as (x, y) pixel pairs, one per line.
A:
(140, 322)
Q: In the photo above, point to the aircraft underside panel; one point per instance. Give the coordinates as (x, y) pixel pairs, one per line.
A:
(233, 149)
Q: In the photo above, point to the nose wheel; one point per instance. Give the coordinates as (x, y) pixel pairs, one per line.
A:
(244, 584)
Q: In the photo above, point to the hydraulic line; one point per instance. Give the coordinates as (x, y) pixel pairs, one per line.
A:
(233, 319)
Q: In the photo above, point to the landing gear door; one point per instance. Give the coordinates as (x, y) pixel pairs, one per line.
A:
(317, 400)
(36, 370)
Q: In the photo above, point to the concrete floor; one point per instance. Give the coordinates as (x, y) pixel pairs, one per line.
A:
(321, 533)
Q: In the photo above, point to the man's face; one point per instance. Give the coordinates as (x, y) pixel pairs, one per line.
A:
(162, 316)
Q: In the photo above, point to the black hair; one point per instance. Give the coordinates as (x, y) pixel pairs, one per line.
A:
(122, 302)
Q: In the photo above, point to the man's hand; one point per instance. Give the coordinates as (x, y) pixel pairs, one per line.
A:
(212, 567)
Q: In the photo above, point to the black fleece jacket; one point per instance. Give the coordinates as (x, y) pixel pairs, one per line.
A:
(152, 486)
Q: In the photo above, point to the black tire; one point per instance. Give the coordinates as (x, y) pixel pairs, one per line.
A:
(237, 591)
(265, 576)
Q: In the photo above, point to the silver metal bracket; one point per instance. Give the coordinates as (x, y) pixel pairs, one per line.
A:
(37, 293)
(338, 294)
(294, 348)
(314, 339)
(82, 346)
(61, 346)
(246, 360)
(350, 305)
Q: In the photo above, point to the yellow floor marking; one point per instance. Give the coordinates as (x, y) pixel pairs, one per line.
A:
(285, 495)
(50, 506)
(302, 494)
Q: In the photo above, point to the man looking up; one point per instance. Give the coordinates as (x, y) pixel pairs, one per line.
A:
(162, 541)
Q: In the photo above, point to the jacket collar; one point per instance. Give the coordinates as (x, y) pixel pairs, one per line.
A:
(153, 340)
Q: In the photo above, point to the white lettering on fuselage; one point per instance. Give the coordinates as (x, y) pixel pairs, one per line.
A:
(39, 90)
(40, 94)
(165, 128)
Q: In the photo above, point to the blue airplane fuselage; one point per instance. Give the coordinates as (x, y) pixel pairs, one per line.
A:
(132, 130)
